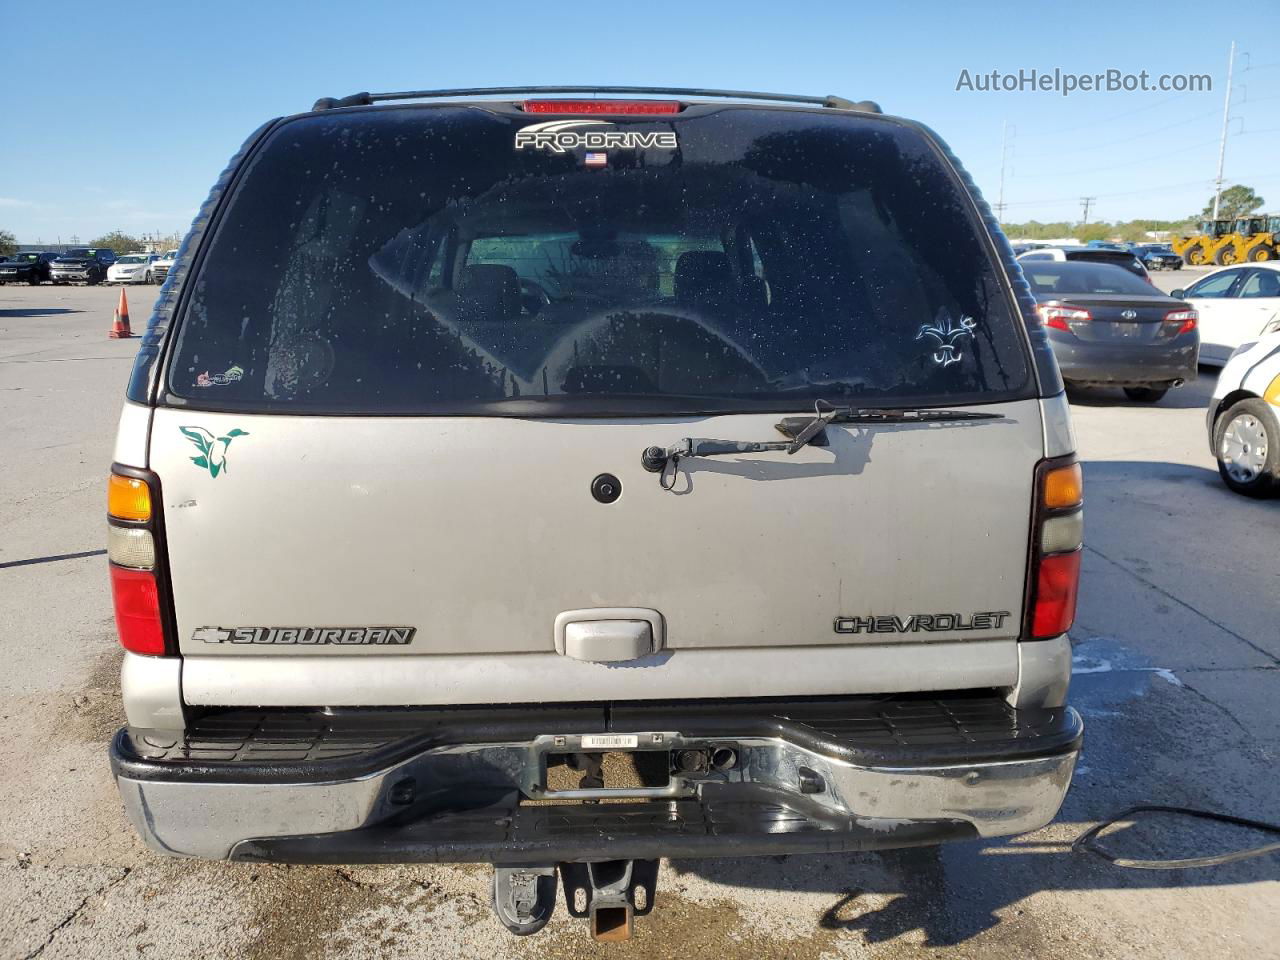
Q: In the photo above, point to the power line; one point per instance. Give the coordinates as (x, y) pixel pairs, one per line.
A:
(1093, 124)
(1085, 202)
(1146, 158)
(1269, 177)
(1217, 182)
(1136, 136)
(1124, 193)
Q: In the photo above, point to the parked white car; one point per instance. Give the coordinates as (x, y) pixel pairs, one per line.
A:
(1236, 305)
(133, 268)
(1120, 258)
(163, 264)
(1244, 418)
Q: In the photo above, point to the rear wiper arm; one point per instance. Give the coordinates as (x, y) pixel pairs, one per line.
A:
(801, 430)
(809, 427)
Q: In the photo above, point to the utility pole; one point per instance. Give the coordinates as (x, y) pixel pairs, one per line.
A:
(1086, 202)
(1222, 145)
(1004, 153)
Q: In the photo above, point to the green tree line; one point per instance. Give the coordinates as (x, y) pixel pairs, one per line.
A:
(1235, 201)
(116, 240)
(1131, 231)
(119, 241)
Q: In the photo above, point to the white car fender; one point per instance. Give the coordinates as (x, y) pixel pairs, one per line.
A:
(1254, 368)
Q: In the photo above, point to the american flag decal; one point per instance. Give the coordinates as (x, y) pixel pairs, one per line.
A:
(596, 159)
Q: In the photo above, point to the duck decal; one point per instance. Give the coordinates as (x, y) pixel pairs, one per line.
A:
(213, 450)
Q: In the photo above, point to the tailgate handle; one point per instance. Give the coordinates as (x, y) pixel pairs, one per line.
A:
(608, 635)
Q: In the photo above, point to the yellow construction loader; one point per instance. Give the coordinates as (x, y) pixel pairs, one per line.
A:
(1204, 246)
(1259, 239)
(1224, 242)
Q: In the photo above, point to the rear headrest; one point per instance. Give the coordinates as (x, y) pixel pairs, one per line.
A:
(488, 291)
(1268, 284)
(704, 276)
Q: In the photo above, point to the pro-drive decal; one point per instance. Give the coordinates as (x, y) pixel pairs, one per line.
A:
(559, 136)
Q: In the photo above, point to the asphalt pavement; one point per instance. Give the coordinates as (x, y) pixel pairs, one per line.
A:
(1177, 659)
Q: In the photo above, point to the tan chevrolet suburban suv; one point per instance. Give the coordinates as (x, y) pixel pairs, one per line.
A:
(524, 477)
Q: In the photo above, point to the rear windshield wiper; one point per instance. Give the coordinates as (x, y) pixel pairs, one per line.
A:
(801, 430)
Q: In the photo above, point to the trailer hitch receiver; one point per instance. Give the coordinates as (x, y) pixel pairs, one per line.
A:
(614, 893)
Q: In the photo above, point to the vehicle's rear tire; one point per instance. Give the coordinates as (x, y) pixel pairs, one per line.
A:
(1194, 255)
(34, 280)
(1225, 256)
(1146, 394)
(1246, 443)
(1262, 253)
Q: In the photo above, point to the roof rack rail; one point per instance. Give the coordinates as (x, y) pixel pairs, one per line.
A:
(365, 99)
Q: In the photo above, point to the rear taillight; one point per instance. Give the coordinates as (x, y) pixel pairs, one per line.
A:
(1053, 580)
(1057, 584)
(614, 107)
(1060, 318)
(1180, 321)
(137, 601)
(139, 585)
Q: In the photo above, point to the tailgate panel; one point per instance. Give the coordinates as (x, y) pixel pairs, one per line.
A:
(477, 533)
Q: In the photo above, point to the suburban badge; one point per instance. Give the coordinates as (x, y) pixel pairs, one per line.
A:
(307, 636)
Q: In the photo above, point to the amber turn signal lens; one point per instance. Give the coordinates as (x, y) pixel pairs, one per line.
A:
(128, 499)
(1064, 487)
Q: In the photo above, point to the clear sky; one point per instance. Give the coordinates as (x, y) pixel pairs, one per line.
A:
(122, 115)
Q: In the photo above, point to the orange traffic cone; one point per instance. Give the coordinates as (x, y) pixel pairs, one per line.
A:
(120, 326)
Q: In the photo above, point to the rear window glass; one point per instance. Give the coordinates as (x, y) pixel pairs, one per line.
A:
(416, 260)
(1052, 278)
(1118, 257)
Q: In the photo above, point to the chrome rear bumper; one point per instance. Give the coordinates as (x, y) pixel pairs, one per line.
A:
(799, 789)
